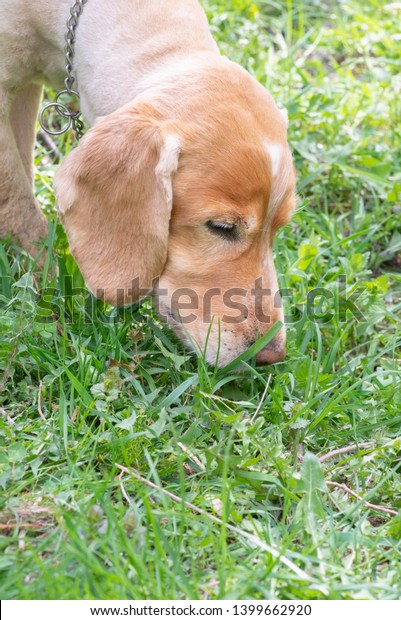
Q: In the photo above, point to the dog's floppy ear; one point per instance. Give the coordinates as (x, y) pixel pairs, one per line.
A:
(114, 197)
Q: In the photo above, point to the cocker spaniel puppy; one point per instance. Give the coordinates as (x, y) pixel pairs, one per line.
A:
(181, 182)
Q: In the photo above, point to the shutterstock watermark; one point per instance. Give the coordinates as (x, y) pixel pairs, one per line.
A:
(187, 305)
(243, 302)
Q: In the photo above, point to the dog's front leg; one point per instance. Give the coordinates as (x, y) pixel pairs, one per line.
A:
(20, 215)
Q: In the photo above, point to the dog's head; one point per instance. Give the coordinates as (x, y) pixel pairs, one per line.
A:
(184, 199)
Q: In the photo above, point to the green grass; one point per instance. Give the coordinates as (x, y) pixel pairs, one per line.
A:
(84, 387)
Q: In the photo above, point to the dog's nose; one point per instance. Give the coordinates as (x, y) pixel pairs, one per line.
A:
(272, 353)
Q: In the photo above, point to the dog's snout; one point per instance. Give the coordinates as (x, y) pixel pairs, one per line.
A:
(272, 353)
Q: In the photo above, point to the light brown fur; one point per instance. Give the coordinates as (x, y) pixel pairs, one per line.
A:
(194, 140)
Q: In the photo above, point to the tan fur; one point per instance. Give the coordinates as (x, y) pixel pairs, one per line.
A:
(181, 136)
(115, 202)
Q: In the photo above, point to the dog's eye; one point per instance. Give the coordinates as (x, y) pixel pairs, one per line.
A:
(224, 229)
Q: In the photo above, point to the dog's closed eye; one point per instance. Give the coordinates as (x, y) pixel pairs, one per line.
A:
(226, 230)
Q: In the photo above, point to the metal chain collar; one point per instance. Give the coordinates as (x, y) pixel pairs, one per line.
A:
(72, 116)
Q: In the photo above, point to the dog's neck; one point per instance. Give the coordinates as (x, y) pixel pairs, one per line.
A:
(114, 60)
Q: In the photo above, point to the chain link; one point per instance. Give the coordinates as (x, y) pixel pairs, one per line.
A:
(72, 116)
(72, 24)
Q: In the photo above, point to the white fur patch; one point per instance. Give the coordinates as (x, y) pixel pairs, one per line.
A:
(168, 164)
(284, 113)
(280, 169)
(275, 152)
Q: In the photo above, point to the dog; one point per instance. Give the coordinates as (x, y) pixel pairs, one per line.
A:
(180, 183)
